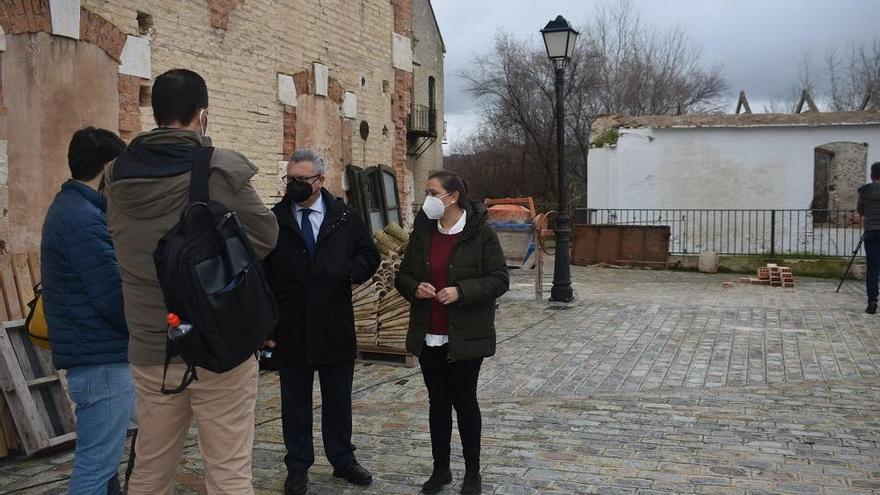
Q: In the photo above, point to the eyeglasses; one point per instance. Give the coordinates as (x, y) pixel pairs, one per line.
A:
(309, 180)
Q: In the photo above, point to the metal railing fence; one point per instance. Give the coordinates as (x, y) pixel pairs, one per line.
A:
(743, 232)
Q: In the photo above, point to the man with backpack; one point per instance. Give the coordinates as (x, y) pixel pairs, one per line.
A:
(323, 248)
(82, 301)
(148, 188)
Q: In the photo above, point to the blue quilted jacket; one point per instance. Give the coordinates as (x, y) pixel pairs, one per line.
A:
(82, 289)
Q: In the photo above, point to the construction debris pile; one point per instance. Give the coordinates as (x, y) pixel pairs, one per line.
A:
(772, 275)
(381, 315)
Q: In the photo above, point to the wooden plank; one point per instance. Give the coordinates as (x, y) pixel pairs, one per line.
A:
(34, 264)
(31, 369)
(64, 407)
(51, 396)
(394, 358)
(4, 315)
(62, 439)
(23, 281)
(8, 426)
(4, 451)
(10, 291)
(51, 401)
(29, 421)
(43, 381)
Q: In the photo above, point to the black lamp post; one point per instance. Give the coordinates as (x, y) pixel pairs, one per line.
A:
(560, 39)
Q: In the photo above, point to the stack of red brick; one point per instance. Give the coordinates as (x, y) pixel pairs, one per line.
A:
(772, 275)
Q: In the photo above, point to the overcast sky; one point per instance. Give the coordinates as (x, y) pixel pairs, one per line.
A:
(758, 43)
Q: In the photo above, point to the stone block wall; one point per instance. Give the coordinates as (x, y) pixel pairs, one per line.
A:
(428, 53)
(240, 48)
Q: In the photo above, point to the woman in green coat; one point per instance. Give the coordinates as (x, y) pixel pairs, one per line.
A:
(452, 273)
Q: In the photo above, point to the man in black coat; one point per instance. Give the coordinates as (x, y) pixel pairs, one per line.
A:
(323, 248)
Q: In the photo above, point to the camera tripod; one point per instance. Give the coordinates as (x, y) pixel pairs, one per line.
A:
(851, 259)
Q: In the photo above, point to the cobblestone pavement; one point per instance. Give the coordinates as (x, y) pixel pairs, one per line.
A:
(655, 382)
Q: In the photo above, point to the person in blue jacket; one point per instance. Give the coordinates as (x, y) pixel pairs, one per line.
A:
(82, 298)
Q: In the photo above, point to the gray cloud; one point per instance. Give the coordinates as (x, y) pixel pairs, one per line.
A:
(758, 43)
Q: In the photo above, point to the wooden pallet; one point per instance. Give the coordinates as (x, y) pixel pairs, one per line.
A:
(387, 355)
(19, 273)
(34, 392)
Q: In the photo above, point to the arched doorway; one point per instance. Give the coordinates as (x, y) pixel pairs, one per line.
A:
(52, 86)
(839, 169)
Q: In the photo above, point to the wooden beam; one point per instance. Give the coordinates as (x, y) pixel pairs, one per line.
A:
(43, 381)
(23, 281)
(807, 98)
(10, 291)
(28, 420)
(743, 103)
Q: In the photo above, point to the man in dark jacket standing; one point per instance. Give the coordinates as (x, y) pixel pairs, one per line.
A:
(82, 297)
(869, 208)
(323, 248)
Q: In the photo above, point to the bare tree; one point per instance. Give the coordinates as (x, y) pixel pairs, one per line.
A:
(619, 66)
(840, 83)
(648, 72)
(852, 72)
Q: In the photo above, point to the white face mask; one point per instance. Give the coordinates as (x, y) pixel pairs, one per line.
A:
(434, 206)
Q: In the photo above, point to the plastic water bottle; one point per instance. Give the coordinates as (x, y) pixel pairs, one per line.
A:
(176, 328)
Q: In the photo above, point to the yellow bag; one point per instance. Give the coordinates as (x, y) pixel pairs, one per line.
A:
(37, 329)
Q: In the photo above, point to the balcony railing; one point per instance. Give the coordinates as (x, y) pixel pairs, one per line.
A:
(422, 121)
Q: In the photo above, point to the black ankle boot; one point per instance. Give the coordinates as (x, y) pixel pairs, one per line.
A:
(439, 478)
(871, 309)
(472, 484)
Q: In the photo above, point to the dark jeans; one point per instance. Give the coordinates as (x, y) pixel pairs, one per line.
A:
(296, 414)
(872, 252)
(452, 384)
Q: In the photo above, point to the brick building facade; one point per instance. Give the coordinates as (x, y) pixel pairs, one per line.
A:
(332, 75)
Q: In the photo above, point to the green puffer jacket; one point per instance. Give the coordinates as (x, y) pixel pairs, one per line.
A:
(476, 266)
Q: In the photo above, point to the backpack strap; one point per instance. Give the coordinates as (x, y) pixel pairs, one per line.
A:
(188, 376)
(201, 171)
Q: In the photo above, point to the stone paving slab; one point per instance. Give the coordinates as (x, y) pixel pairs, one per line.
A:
(656, 382)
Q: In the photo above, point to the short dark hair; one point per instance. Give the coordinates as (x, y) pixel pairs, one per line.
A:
(452, 182)
(177, 95)
(90, 150)
(875, 171)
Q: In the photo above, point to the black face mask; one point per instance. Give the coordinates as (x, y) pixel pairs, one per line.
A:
(298, 191)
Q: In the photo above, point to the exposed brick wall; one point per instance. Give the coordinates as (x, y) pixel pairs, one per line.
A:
(304, 82)
(305, 85)
(220, 10)
(33, 16)
(98, 31)
(129, 106)
(289, 143)
(335, 91)
(403, 15)
(25, 16)
(2, 105)
(401, 105)
(267, 37)
(400, 109)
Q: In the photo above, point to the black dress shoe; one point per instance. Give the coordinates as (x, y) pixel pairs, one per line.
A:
(871, 309)
(297, 483)
(472, 484)
(439, 478)
(354, 473)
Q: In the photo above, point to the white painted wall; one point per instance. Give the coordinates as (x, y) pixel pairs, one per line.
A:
(718, 168)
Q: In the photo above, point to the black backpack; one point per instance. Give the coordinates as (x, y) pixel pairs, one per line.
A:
(211, 279)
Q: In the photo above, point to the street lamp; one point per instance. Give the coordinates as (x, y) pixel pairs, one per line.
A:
(560, 39)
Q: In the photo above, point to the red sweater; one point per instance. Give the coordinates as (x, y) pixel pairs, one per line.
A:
(438, 259)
